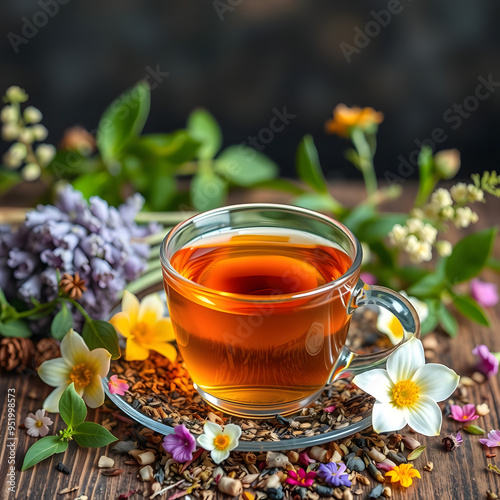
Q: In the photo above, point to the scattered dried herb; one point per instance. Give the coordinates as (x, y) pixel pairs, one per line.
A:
(416, 453)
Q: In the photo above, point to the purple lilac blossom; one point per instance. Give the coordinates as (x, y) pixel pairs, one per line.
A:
(93, 239)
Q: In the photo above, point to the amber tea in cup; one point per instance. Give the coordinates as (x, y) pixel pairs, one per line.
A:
(261, 297)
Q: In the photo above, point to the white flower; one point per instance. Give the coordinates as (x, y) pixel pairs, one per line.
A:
(37, 424)
(397, 234)
(390, 325)
(411, 244)
(459, 192)
(219, 441)
(45, 154)
(79, 365)
(10, 132)
(464, 216)
(32, 115)
(15, 155)
(442, 198)
(422, 253)
(447, 213)
(414, 225)
(40, 133)
(428, 233)
(26, 135)
(444, 248)
(475, 194)
(408, 391)
(31, 172)
(16, 94)
(8, 114)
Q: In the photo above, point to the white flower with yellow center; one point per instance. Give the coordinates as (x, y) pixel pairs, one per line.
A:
(219, 441)
(390, 325)
(408, 391)
(79, 365)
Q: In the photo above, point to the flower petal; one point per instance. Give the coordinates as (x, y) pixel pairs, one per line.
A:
(51, 403)
(390, 325)
(74, 350)
(386, 417)
(164, 330)
(436, 381)
(121, 321)
(151, 309)
(165, 349)
(33, 431)
(130, 306)
(219, 456)
(206, 442)
(212, 430)
(135, 351)
(93, 394)
(233, 432)
(377, 383)
(406, 360)
(54, 372)
(99, 359)
(425, 416)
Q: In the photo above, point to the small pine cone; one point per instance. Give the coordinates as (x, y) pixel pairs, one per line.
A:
(16, 353)
(45, 349)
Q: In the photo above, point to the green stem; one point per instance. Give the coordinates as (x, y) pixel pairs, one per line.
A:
(36, 310)
(365, 153)
(145, 281)
(79, 307)
(168, 218)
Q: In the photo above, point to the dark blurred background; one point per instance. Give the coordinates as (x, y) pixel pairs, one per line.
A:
(242, 59)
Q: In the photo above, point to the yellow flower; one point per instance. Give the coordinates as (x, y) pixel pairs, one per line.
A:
(79, 365)
(403, 474)
(344, 119)
(144, 327)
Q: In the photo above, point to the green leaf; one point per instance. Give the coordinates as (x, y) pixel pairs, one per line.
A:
(429, 286)
(448, 321)
(208, 190)
(42, 449)
(203, 127)
(280, 185)
(380, 226)
(308, 166)
(177, 147)
(430, 323)
(470, 309)
(358, 217)
(15, 328)
(416, 452)
(71, 407)
(3, 298)
(470, 255)
(91, 435)
(97, 333)
(123, 120)
(161, 191)
(473, 429)
(315, 201)
(62, 322)
(493, 264)
(244, 166)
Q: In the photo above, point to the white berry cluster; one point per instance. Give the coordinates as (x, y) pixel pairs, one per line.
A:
(418, 236)
(23, 127)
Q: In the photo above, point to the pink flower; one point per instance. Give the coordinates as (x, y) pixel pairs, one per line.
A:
(386, 466)
(37, 424)
(463, 414)
(181, 444)
(493, 439)
(368, 278)
(488, 362)
(117, 385)
(484, 293)
(305, 459)
(301, 478)
(330, 409)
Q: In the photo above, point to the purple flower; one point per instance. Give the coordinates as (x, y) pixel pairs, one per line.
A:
(484, 293)
(101, 243)
(368, 278)
(493, 439)
(181, 444)
(488, 362)
(305, 459)
(334, 474)
(463, 413)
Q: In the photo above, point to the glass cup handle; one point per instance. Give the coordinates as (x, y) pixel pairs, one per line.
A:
(350, 363)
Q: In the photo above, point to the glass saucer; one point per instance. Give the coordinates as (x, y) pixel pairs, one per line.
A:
(265, 443)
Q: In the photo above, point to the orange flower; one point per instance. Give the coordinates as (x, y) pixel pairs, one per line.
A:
(403, 474)
(344, 119)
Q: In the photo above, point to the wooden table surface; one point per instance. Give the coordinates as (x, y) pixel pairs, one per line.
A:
(461, 474)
